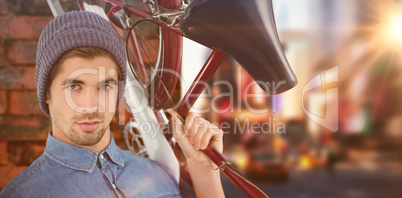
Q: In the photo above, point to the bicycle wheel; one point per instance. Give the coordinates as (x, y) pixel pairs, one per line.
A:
(158, 52)
(164, 72)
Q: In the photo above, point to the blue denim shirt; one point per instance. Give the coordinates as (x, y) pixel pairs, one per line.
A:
(65, 170)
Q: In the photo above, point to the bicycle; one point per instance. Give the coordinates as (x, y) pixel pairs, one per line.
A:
(201, 21)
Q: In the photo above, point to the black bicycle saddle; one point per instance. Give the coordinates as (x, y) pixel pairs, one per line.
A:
(244, 29)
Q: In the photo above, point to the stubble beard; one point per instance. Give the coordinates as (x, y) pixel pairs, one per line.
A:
(79, 136)
(76, 137)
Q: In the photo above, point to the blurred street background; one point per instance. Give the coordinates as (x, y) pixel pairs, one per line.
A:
(338, 133)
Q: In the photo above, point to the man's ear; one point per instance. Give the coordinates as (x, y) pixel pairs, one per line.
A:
(47, 98)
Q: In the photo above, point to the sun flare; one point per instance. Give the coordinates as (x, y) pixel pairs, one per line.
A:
(391, 27)
(395, 27)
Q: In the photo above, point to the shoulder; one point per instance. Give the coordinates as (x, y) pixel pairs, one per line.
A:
(131, 159)
(22, 183)
(145, 166)
(150, 177)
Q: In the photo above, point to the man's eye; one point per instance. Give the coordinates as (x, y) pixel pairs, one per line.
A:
(73, 87)
(105, 87)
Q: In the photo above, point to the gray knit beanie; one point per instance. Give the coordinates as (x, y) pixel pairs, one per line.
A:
(70, 30)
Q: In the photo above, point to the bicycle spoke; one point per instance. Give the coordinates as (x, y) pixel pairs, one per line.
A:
(147, 43)
(143, 39)
(144, 32)
(156, 34)
(146, 52)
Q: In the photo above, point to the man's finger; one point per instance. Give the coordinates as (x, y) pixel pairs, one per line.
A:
(189, 123)
(202, 129)
(178, 131)
(206, 139)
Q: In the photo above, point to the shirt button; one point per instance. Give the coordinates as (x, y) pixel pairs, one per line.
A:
(114, 186)
(101, 156)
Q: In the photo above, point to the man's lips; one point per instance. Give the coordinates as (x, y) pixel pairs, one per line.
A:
(89, 126)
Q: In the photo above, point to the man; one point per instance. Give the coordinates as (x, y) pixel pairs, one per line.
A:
(80, 78)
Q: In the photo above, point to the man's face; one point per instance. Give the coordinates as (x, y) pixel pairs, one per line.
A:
(82, 101)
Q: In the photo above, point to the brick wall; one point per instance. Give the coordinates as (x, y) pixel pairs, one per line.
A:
(23, 126)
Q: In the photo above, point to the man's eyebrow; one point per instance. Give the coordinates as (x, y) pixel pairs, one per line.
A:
(72, 81)
(109, 81)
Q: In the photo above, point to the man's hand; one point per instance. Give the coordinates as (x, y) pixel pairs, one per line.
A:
(196, 134)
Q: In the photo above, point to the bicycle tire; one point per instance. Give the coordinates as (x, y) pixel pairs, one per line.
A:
(163, 69)
(170, 4)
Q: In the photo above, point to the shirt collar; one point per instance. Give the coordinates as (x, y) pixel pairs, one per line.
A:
(76, 157)
(113, 151)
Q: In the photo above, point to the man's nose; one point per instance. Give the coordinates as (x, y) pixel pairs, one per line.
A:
(89, 101)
